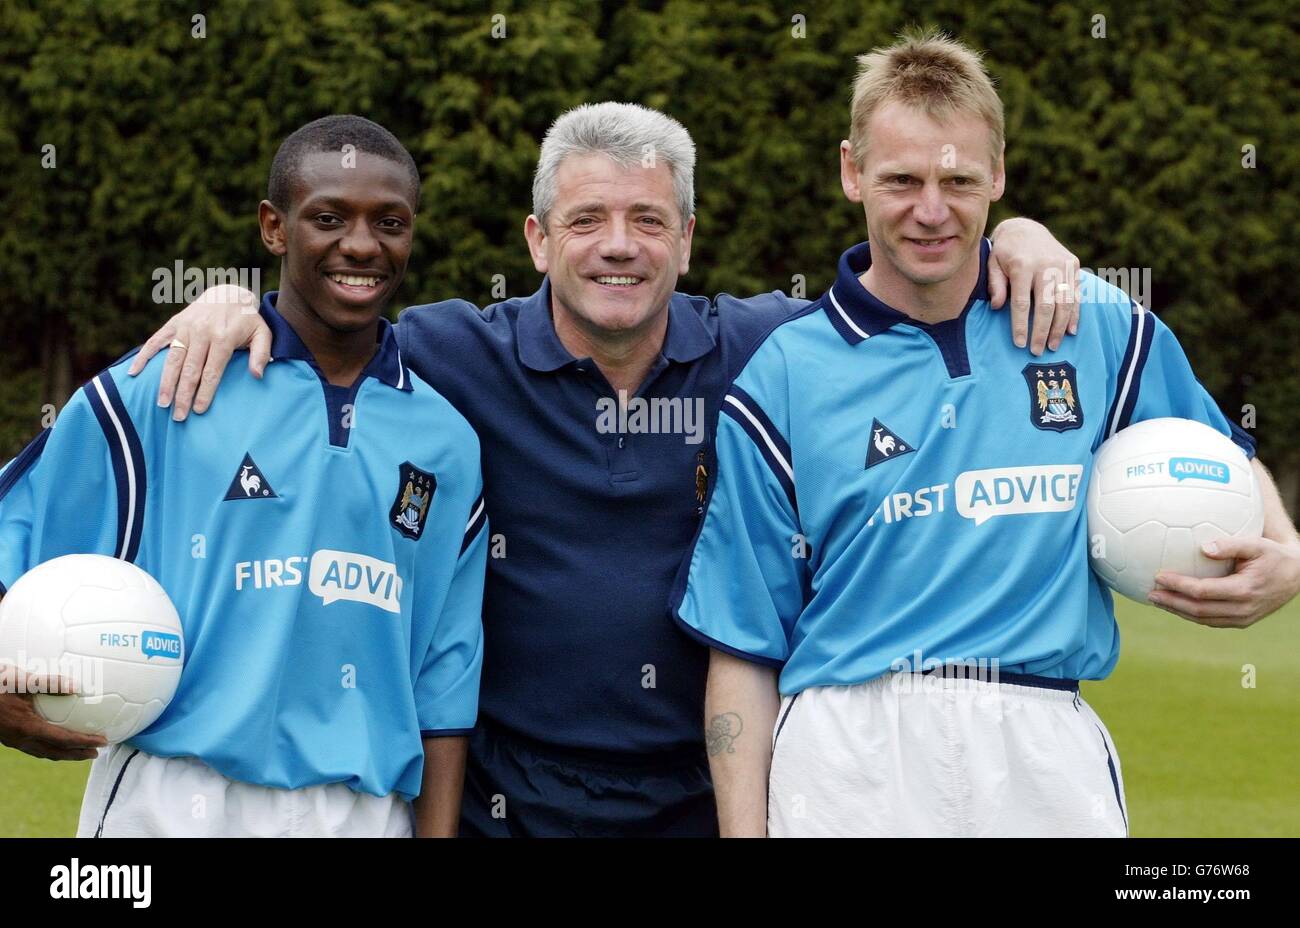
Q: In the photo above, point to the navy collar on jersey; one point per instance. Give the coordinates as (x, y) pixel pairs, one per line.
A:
(385, 366)
(688, 338)
(857, 314)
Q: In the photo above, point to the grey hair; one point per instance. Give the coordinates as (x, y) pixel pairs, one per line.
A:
(628, 134)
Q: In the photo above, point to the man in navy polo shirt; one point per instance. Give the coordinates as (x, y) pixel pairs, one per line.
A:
(594, 400)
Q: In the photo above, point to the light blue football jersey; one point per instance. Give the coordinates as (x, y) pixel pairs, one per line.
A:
(892, 495)
(324, 546)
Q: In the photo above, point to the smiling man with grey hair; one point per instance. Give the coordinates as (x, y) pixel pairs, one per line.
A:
(591, 699)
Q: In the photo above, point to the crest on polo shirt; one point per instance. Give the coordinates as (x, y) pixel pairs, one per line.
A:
(701, 478)
(1053, 396)
(415, 489)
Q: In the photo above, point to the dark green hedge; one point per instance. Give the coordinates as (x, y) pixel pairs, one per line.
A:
(1130, 146)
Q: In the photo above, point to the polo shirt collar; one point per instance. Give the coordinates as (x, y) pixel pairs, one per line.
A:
(688, 338)
(857, 314)
(386, 365)
(540, 347)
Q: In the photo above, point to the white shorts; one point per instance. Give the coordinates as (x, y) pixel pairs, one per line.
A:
(131, 794)
(913, 755)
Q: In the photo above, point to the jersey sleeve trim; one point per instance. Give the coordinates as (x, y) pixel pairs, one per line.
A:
(1242, 439)
(445, 732)
(771, 444)
(477, 519)
(127, 456)
(1141, 331)
(717, 645)
(22, 463)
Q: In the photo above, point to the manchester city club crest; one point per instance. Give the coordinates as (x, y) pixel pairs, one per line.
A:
(414, 495)
(1053, 396)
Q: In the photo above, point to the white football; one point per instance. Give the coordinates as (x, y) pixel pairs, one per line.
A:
(107, 626)
(1159, 490)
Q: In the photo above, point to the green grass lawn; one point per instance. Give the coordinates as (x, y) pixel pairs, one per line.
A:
(39, 798)
(1202, 755)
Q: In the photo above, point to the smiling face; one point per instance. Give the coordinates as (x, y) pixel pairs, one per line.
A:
(613, 246)
(925, 187)
(345, 239)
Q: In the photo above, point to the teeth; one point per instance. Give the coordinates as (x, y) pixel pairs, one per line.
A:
(354, 281)
(618, 281)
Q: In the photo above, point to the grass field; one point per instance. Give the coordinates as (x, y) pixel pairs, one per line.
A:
(1201, 754)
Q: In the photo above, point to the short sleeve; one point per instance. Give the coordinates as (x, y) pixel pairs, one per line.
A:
(446, 689)
(741, 588)
(79, 488)
(1155, 380)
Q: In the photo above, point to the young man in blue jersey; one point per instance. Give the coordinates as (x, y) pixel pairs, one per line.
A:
(591, 697)
(323, 541)
(896, 645)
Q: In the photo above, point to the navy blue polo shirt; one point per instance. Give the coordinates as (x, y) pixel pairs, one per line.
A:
(590, 516)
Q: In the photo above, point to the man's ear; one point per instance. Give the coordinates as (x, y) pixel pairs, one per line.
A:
(536, 236)
(999, 176)
(849, 173)
(685, 264)
(273, 225)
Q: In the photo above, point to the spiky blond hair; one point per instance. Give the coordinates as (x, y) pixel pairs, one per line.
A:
(929, 71)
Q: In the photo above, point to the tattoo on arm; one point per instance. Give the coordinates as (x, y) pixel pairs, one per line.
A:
(722, 733)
